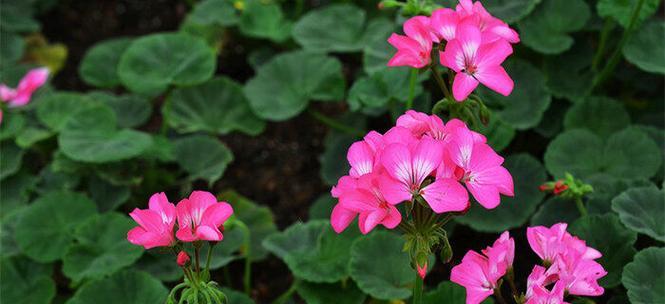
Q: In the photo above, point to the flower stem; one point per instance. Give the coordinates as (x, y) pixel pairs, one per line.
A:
(209, 257)
(412, 88)
(616, 56)
(418, 290)
(197, 253)
(439, 80)
(287, 294)
(334, 124)
(247, 277)
(608, 26)
(511, 282)
(580, 206)
(499, 296)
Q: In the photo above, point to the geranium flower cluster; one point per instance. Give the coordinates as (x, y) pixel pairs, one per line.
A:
(569, 267)
(199, 217)
(21, 95)
(419, 158)
(472, 43)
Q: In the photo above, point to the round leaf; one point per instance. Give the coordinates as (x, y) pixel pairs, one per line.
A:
(130, 110)
(202, 157)
(313, 251)
(631, 154)
(569, 74)
(218, 106)
(371, 273)
(11, 48)
(643, 210)
(606, 234)
(323, 293)
(99, 65)
(101, 248)
(46, 228)
(499, 134)
(555, 210)
(513, 212)
(11, 125)
(645, 47)
(622, 10)
(237, 297)
(333, 160)
(25, 282)
(161, 266)
(53, 110)
(107, 196)
(643, 277)
(546, 29)
(576, 152)
(322, 207)
(217, 12)
(376, 91)
(511, 11)
(12, 157)
(264, 20)
(182, 60)
(608, 116)
(90, 135)
(127, 287)
(16, 192)
(449, 293)
(283, 87)
(525, 106)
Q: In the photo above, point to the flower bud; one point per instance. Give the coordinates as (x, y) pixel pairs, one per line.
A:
(183, 259)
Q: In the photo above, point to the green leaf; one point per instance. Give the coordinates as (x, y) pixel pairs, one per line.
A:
(555, 210)
(377, 53)
(8, 223)
(645, 47)
(606, 234)
(16, 16)
(643, 279)
(547, 29)
(160, 265)
(130, 110)
(449, 293)
(99, 66)
(601, 115)
(214, 12)
(380, 267)
(31, 135)
(227, 251)
(11, 125)
(605, 188)
(642, 210)
(528, 173)
(525, 106)
(499, 134)
(333, 160)
(217, 106)
(376, 91)
(53, 110)
(569, 74)
(10, 162)
(183, 60)
(16, 191)
(90, 135)
(283, 87)
(623, 10)
(337, 28)
(127, 287)
(628, 154)
(107, 196)
(26, 282)
(313, 251)
(45, 229)
(323, 293)
(202, 157)
(259, 219)
(11, 48)
(237, 297)
(511, 11)
(264, 20)
(322, 207)
(101, 247)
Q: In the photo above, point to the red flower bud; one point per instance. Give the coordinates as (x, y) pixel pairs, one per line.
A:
(422, 270)
(183, 258)
(544, 187)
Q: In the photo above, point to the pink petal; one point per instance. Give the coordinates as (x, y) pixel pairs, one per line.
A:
(453, 56)
(495, 78)
(160, 204)
(215, 215)
(185, 234)
(483, 157)
(444, 23)
(393, 190)
(208, 233)
(461, 147)
(409, 52)
(417, 28)
(359, 200)
(463, 85)
(361, 159)
(34, 79)
(446, 195)
(416, 122)
(340, 218)
(493, 54)
(7, 93)
(367, 221)
(426, 158)
(398, 135)
(183, 212)
(148, 219)
(486, 195)
(344, 184)
(468, 35)
(396, 159)
(392, 219)
(200, 200)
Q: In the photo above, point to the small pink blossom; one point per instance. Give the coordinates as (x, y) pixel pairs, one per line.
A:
(155, 224)
(20, 96)
(540, 295)
(491, 28)
(579, 275)
(479, 275)
(444, 24)
(480, 169)
(182, 259)
(422, 270)
(476, 62)
(550, 243)
(200, 216)
(413, 49)
(502, 251)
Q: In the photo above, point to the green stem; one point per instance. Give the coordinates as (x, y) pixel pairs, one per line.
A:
(499, 296)
(287, 294)
(616, 56)
(197, 253)
(412, 88)
(334, 124)
(608, 26)
(511, 282)
(247, 277)
(418, 290)
(209, 257)
(439, 80)
(580, 206)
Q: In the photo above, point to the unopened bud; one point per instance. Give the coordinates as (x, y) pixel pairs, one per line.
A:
(182, 259)
(422, 270)
(446, 251)
(421, 264)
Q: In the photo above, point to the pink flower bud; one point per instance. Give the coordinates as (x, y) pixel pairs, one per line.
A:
(422, 270)
(183, 258)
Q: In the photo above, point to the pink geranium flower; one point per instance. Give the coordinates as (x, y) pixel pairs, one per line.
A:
(479, 275)
(408, 167)
(155, 224)
(476, 62)
(20, 96)
(579, 275)
(550, 243)
(502, 251)
(491, 28)
(444, 24)
(480, 168)
(413, 49)
(540, 295)
(200, 216)
(367, 201)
